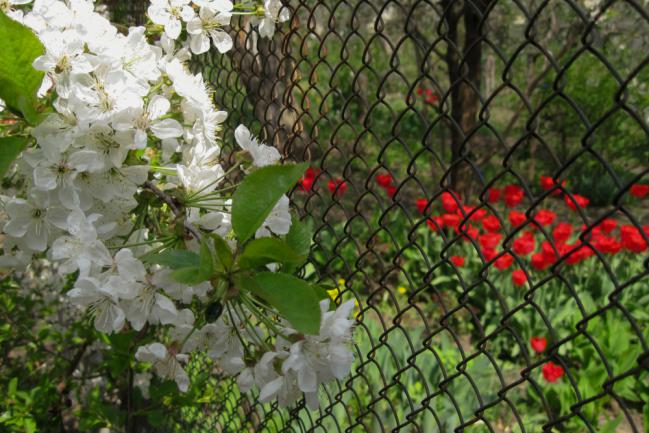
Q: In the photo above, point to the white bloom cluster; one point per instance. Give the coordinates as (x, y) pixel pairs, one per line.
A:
(126, 113)
(274, 13)
(298, 366)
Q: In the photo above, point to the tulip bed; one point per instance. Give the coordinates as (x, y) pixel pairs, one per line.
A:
(549, 298)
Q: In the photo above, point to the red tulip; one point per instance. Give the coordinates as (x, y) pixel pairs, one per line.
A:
(449, 202)
(639, 191)
(468, 232)
(524, 245)
(562, 232)
(491, 223)
(606, 244)
(540, 262)
(514, 195)
(493, 195)
(489, 241)
(457, 261)
(421, 205)
(576, 201)
(552, 372)
(549, 253)
(548, 183)
(435, 223)
(544, 217)
(577, 253)
(518, 277)
(306, 184)
(337, 186)
(432, 99)
(307, 181)
(489, 254)
(632, 239)
(608, 225)
(384, 180)
(311, 173)
(477, 215)
(504, 261)
(451, 219)
(516, 218)
(538, 344)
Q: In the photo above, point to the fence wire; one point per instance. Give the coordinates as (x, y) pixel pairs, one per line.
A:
(454, 145)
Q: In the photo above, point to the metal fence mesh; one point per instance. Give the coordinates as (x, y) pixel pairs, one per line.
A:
(459, 101)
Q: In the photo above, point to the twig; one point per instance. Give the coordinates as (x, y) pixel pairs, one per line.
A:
(172, 205)
(63, 388)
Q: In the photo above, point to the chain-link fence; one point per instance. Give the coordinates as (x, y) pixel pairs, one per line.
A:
(478, 186)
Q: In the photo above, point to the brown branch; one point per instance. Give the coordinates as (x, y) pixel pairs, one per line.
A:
(63, 388)
(174, 208)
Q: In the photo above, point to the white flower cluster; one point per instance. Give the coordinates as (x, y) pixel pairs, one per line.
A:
(298, 366)
(208, 24)
(128, 113)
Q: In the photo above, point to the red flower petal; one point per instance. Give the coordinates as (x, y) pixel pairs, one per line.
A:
(518, 277)
(639, 191)
(538, 344)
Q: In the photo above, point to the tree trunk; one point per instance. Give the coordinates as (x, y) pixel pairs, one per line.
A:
(464, 62)
(269, 74)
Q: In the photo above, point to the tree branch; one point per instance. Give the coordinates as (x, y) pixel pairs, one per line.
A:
(174, 208)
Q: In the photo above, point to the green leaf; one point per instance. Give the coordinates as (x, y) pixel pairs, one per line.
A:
(206, 261)
(300, 236)
(293, 298)
(262, 251)
(257, 195)
(30, 425)
(191, 275)
(174, 259)
(19, 81)
(223, 257)
(13, 385)
(10, 148)
(156, 417)
(322, 292)
(611, 425)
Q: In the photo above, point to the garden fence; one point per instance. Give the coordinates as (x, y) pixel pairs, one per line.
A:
(477, 186)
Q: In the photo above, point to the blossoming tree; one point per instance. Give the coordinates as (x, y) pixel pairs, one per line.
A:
(117, 182)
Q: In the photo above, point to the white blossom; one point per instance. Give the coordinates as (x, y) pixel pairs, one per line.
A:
(102, 303)
(196, 178)
(217, 5)
(262, 155)
(274, 13)
(208, 26)
(81, 249)
(140, 121)
(169, 14)
(34, 220)
(6, 6)
(165, 364)
(64, 56)
(181, 292)
(278, 221)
